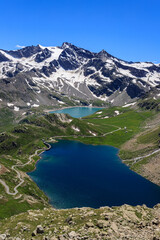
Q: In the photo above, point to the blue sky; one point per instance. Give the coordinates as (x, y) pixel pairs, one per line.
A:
(128, 29)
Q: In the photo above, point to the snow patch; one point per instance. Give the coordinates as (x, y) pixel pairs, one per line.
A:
(35, 105)
(10, 104)
(94, 134)
(125, 72)
(16, 109)
(75, 129)
(117, 112)
(61, 102)
(129, 104)
(134, 81)
(99, 112)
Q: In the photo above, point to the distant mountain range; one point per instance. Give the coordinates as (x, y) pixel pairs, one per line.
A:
(37, 75)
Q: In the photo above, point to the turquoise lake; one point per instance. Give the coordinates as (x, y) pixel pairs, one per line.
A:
(73, 174)
(78, 112)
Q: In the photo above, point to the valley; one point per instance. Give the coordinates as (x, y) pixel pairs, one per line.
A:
(27, 138)
(36, 80)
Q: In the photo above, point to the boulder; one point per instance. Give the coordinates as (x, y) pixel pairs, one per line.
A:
(3, 236)
(47, 238)
(114, 227)
(89, 224)
(69, 219)
(102, 224)
(34, 233)
(40, 229)
(72, 234)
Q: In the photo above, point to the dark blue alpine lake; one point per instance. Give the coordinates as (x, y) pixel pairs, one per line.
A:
(73, 174)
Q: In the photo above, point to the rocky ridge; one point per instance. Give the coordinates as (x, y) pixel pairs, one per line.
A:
(125, 222)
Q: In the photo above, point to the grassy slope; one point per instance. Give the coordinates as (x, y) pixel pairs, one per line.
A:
(130, 119)
(6, 119)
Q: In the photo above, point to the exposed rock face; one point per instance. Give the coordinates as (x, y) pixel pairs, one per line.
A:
(43, 55)
(3, 58)
(25, 52)
(38, 71)
(125, 222)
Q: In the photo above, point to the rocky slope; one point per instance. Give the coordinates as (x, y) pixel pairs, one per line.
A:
(125, 222)
(37, 75)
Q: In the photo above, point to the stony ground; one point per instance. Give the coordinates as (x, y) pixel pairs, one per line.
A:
(151, 170)
(125, 222)
(146, 140)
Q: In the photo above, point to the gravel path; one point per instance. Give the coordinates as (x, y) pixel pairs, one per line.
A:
(134, 160)
(18, 175)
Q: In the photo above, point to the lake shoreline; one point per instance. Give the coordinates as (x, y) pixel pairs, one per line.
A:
(81, 141)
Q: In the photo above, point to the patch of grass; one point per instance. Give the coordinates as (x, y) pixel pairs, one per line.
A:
(129, 120)
(124, 154)
(7, 119)
(10, 206)
(138, 214)
(150, 137)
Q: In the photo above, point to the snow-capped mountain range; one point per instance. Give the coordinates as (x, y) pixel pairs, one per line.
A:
(38, 75)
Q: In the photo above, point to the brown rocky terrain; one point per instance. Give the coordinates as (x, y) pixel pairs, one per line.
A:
(151, 170)
(124, 222)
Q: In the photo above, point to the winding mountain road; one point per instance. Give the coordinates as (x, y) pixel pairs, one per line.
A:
(18, 176)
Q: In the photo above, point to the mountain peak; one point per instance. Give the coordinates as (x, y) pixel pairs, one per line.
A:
(103, 55)
(66, 44)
